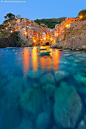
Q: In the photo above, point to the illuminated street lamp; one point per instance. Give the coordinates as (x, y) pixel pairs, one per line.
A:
(57, 34)
(34, 41)
(68, 26)
(81, 16)
(51, 39)
(25, 33)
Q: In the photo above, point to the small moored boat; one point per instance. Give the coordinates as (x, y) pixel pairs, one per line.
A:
(42, 49)
(45, 53)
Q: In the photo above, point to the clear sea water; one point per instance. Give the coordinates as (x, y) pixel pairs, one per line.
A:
(23, 72)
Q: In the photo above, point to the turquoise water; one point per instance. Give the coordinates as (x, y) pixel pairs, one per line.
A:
(42, 92)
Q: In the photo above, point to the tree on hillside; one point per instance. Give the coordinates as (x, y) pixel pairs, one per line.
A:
(9, 16)
(5, 17)
(82, 12)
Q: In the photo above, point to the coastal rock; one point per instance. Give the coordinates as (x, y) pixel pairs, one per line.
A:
(54, 45)
(48, 78)
(32, 101)
(67, 107)
(10, 41)
(43, 121)
(59, 75)
(49, 91)
(34, 74)
(84, 47)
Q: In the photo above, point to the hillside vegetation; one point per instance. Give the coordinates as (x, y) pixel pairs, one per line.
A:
(50, 22)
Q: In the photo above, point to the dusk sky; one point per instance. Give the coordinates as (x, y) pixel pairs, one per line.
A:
(33, 9)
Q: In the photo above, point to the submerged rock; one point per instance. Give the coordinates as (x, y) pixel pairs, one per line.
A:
(80, 78)
(82, 124)
(48, 78)
(43, 120)
(59, 75)
(32, 101)
(49, 91)
(34, 74)
(67, 107)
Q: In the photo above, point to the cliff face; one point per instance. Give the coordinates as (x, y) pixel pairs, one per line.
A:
(10, 41)
(75, 36)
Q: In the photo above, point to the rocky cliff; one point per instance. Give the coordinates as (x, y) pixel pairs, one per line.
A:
(10, 41)
(74, 37)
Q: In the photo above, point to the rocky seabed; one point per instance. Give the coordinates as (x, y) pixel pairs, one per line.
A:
(43, 101)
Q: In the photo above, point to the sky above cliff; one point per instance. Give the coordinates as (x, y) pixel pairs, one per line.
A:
(33, 9)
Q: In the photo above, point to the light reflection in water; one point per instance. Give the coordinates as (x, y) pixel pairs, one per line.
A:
(34, 59)
(43, 62)
(26, 61)
(40, 61)
(56, 59)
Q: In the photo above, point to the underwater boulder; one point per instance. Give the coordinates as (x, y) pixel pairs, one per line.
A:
(59, 75)
(43, 120)
(49, 90)
(48, 78)
(67, 107)
(32, 101)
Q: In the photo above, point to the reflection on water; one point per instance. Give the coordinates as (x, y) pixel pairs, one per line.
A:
(56, 59)
(34, 59)
(40, 61)
(26, 60)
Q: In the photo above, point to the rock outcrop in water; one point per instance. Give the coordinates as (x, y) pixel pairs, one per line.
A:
(11, 41)
(67, 107)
